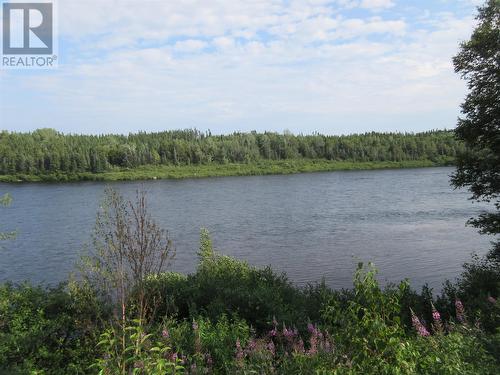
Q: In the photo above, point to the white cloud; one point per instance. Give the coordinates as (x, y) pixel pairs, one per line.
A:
(190, 45)
(376, 4)
(227, 63)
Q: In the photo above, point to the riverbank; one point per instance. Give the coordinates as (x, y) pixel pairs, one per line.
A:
(265, 167)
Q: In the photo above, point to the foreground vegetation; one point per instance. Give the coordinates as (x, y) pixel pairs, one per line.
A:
(126, 314)
(230, 318)
(46, 155)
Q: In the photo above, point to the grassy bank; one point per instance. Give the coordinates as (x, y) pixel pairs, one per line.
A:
(266, 167)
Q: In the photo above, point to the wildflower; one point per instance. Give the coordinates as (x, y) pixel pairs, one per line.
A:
(313, 348)
(165, 333)
(251, 346)
(273, 332)
(209, 360)
(239, 351)
(419, 327)
(195, 325)
(436, 317)
(289, 334)
(298, 347)
(492, 299)
(460, 311)
(310, 327)
(271, 348)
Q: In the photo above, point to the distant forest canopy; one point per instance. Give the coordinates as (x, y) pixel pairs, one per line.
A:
(48, 151)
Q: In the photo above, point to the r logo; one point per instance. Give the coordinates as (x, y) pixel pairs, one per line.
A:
(27, 29)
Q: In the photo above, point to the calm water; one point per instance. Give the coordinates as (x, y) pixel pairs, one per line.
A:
(410, 223)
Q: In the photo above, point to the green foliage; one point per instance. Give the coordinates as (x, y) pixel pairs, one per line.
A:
(140, 354)
(231, 318)
(359, 331)
(477, 287)
(207, 344)
(51, 156)
(206, 252)
(225, 286)
(6, 200)
(478, 168)
(369, 330)
(460, 352)
(49, 331)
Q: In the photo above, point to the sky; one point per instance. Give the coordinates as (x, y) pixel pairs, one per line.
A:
(333, 67)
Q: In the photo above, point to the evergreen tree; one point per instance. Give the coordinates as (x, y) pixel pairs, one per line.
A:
(478, 168)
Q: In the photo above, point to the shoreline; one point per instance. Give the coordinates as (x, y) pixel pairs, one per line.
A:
(265, 167)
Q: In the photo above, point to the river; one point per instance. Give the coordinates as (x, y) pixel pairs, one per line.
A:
(409, 222)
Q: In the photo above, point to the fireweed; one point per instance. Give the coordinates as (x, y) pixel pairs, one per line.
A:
(418, 326)
(437, 324)
(459, 311)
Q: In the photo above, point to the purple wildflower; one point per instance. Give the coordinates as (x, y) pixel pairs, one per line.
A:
(460, 311)
(165, 333)
(289, 334)
(271, 348)
(195, 325)
(209, 360)
(310, 327)
(436, 317)
(251, 346)
(239, 352)
(419, 327)
(313, 342)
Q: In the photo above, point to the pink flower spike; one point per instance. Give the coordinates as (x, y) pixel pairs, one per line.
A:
(460, 311)
(419, 327)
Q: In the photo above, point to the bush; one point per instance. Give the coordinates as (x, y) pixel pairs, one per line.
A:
(225, 286)
(50, 331)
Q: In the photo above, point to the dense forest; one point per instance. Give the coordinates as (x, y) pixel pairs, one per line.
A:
(46, 151)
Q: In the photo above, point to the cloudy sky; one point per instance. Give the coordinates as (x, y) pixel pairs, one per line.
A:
(335, 67)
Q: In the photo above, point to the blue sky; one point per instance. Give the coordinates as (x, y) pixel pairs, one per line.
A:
(334, 67)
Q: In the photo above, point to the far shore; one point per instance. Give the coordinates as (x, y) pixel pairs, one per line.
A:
(265, 167)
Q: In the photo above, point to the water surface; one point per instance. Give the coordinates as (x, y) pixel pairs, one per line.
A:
(409, 222)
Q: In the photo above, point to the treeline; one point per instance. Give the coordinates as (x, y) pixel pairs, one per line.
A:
(47, 151)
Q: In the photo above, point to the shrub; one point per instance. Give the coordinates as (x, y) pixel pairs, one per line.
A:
(49, 331)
